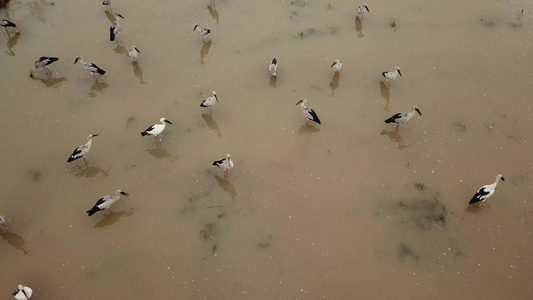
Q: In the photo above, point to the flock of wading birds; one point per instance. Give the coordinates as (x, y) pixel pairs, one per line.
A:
(104, 203)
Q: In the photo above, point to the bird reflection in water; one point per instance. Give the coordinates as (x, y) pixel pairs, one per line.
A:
(11, 42)
(395, 137)
(308, 128)
(119, 49)
(359, 27)
(334, 83)
(226, 186)
(112, 217)
(158, 153)
(213, 11)
(385, 93)
(204, 51)
(92, 172)
(110, 17)
(212, 124)
(97, 87)
(138, 72)
(14, 240)
(49, 82)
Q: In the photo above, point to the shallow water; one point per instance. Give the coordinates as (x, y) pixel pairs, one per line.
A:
(342, 210)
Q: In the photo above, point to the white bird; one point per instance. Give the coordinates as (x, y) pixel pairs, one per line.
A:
(156, 129)
(361, 10)
(6, 23)
(23, 293)
(133, 53)
(108, 4)
(225, 164)
(210, 101)
(337, 66)
(486, 191)
(309, 113)
(91, 67)
(114, 29)
(391, 75)
(202, 32)
(273, 67)
(42, 62)
(82, 150)
(105, 202)
(3, 223)
(401, 118)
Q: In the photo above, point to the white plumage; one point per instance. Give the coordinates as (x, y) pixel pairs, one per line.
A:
(361, 10)
(23, 293)
(105, 202)
(210, 101)
(91, 67)
(133, 53)
(3, 223)
(402, 118)
(273, 67)
(337, 66)
(225, 164)
(114, 30)
(202, 32)
(309, 113)
(156, 129)
(486, 191)
(44, 61)
(82, 150)
(391, 75)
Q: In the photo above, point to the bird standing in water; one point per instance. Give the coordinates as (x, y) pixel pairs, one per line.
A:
(156, 130)
(361, 10)
(91, 67)
(82, 150)
(273, 67)
(105, 202)
(225, 164)
(202, 32)
(114, 30)
(309, 113)
(133, 53)
(486, 191)
(6, 23)
(23, 293)
(402, 118)
(42, 62)
(391, 75)
(210, 101)
(337, 66)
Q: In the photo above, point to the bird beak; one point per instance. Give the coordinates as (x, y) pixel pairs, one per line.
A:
(95, 135)
(301, 100)
(418, 111)
(333, 64)
(77, 58)
(503, 179)
(367, 8)
(399, 72)
(120, 16)
(125, 194)
(167, 121)
(216, 97)
(195, 27)
(137, 49)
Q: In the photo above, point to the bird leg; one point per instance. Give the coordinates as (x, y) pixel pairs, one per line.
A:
(85, 161)
(94, 75)
(48, 71)
(397, 127)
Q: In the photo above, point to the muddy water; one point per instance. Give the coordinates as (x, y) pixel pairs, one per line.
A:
(349, 209)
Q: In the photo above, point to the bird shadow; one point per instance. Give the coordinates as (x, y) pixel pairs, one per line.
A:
(334, 83)
(214, 13)
(158, 153)
(49, 81)
(307, 128)
(97, 87)
(14, 240)
(476, 208)
(359, 27)
(120, 49)
(226, 186)
(204, 51)
(11, 42)
(395, 137)
(212, 124)
(90, 172)
(112, 217)
(138, 72)
(272, 81)
(385, 93)
(110, 17)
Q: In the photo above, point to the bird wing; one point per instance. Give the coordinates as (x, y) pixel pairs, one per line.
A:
(112, 33)
(385, 74)
(219, 163)
(481, 195)
(147, 131)
(78, 152)
(394, 118)
(94, 68)
(314, 116)
(101, 201)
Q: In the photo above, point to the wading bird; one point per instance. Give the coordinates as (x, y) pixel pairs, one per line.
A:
(210, 101)
(361, 10)
(273, 67)
(82, 150)
(114, 29)
(23, 293)
(42, 62)
(91, 67)
(6, 23)
(133, 53)
(401, 118)
(486, 191)
(202, 32)
(391, 75)
(105, 202)
(108, 4)
(337, 66)
(309, 113)
(225, 164)
(156, 129)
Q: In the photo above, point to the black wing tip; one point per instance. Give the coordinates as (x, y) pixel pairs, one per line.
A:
(475, 200)
(144, 133)
(93, 210)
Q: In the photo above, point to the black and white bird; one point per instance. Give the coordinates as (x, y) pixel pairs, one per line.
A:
(202, 32)
(156, 129)
(133, 53)
(42, 62)
(3, 223)
(391, 75)
(273, 67)
(486, 191)
(82, 150)
(309, 113)
(361, 10)
(91, 67)
(337, 66)
(23, 293)
(401, 118)
(108, 4)
(225, 164)
(105, 202)
(114, 29)
(210, 101)
(6, 23)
